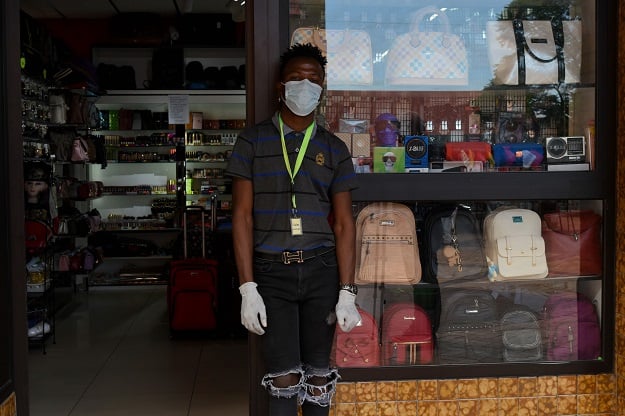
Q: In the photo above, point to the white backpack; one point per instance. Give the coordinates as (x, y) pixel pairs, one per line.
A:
(514, 245)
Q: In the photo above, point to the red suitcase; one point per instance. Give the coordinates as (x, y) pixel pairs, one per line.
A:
(192, 289)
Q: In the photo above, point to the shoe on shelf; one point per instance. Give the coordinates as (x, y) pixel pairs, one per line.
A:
(39, 329)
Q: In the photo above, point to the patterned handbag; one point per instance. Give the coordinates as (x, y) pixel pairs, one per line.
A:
(427, 58)
(348, 51)
(312, 35)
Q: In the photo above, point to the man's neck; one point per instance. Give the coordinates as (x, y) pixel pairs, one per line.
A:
(297, 123)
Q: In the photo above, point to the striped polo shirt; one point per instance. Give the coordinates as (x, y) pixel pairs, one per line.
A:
(326, 170)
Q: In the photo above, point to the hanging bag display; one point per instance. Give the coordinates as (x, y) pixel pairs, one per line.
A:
(428, 58)
(80, 150)
(530, 52)
(348, 51)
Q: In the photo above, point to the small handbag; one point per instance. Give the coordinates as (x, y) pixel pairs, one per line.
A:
(80, 150)
(573, 243)
(518, 154)
(63, 265)
(468, 152)
(526, 52)
(349, 53)
(427, 58)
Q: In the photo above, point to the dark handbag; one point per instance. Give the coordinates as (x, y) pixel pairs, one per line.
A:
(168, 68)
(518, 154)
(573, 243)
(62, 142)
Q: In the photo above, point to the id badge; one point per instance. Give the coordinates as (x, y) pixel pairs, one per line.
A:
(296, 226)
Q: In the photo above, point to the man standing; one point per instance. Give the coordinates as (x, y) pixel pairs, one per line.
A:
(294, 238)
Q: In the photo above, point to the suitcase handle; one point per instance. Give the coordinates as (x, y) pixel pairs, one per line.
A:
(199, 209)
(185, 228)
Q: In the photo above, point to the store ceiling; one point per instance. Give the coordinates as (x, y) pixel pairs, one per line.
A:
(98, 9)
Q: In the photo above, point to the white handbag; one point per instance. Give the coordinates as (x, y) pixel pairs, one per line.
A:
(427, 58)
(534, 52)
(349, 54)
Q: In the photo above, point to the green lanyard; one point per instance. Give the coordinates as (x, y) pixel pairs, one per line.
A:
(298, 160)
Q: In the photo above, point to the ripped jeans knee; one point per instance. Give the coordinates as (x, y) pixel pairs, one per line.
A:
(284, 384)
(319, 385)
(312, 385)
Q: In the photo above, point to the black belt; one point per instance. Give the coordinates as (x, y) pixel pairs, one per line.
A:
(288, 257)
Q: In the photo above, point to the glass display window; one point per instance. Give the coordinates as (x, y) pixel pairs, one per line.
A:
(518, 78)
(462, 282)
(457, 114)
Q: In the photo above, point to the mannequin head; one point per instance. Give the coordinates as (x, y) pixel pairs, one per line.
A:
(386, 130)
(36, 185)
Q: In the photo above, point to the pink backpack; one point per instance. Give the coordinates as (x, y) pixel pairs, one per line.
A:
(571, 328)
(360, 346)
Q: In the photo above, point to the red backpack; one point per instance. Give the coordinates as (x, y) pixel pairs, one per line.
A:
(359, 347)
(407, 335)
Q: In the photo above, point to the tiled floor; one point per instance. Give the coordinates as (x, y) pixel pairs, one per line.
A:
(113, 356)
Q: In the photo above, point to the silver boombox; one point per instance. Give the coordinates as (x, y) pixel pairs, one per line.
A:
(570, 149)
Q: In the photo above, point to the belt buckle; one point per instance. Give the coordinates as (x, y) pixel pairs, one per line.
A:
(292, 256)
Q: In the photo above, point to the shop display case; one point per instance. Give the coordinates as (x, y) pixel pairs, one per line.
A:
(475, 109)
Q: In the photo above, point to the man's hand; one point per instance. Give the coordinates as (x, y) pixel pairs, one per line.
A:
(347, 315)
(253, 314)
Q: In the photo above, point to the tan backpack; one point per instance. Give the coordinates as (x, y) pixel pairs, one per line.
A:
(387, 250)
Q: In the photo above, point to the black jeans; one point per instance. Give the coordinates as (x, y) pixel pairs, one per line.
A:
(300, 299)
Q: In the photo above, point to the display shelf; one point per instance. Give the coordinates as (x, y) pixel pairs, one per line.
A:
(223, 111)
(41, 313)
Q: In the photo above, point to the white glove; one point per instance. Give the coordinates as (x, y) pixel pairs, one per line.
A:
(347, 315)
(253, 314)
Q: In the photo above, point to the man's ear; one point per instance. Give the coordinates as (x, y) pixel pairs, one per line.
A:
(279, 90)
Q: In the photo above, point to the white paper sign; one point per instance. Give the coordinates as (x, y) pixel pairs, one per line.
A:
(178, 109)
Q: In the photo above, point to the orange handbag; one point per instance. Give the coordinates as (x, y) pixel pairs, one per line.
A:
(468, 151)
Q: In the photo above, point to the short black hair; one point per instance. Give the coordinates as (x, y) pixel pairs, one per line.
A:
(302, 50)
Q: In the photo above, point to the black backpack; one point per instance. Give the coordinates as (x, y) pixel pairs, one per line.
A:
(469, 329)
(452, 246)
(521, 334)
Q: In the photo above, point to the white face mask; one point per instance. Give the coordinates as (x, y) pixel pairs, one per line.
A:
(302, 97)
